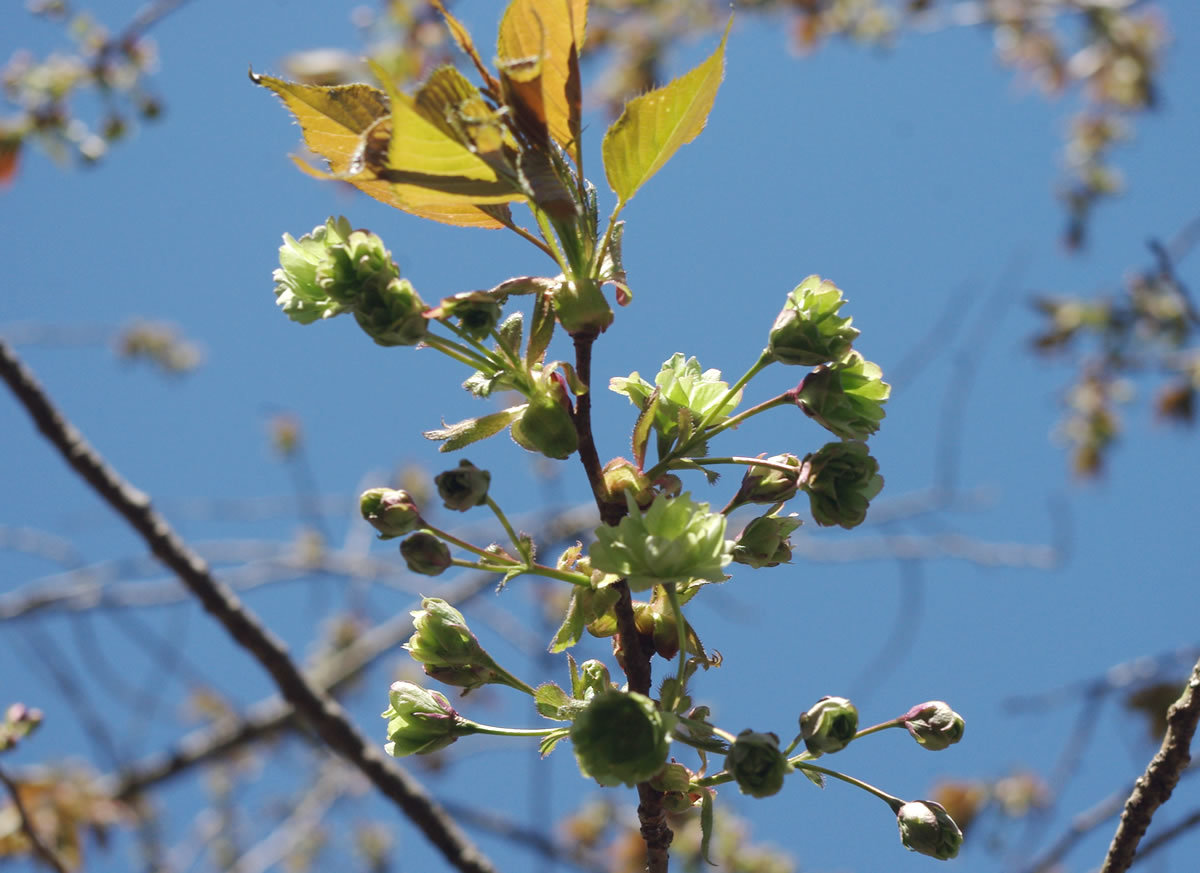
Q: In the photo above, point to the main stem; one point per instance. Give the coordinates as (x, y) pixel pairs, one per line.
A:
(636, 660)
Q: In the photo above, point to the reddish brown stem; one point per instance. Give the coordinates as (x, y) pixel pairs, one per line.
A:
(651, 815)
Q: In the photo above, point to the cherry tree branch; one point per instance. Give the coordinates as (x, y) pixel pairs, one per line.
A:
(40, 848)
(324, 713)
(1153, 788)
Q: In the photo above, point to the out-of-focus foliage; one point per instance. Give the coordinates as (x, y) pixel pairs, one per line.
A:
(1147, 329)
(76, 102)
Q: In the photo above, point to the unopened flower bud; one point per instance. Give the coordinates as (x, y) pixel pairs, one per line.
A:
(829, 725)
(449, 651)
(841, 479)
(767, 485)
(845, 398)
(934, 725)
(620, 737)
(419, 721)
(594, 677)
(393, 315)
(390, 511)
(581, 308)
(926, 827)
(673, 777)
(620, 476)
(764, 541)
(757, 763)
(425, 554)
(547, 425)
(464, 487)
(477, 312)
(808, 330)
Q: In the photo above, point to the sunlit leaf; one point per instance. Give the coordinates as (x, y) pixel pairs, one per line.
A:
(549, 700)
(535, 45)
(341, 123)
(654, 125)
(571, 630)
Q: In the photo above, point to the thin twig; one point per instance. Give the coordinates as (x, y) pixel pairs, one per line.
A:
(324, 713)
(40, 848)
(1154, 787)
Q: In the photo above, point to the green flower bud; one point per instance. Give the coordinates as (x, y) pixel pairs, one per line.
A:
(594, 678)
(547, 425)
(620, 737)
(448, 650)
(425, 554)
(391, 512)
(764, 541)
(675, 540)
(934, 725)
(393, 315)
(463, 487)
(620, 476)
(757, 763)
(927, 828)
(581, 308)
(840, 480)
(419, 721)
(829, 725)
(808, 330)
(477, 312)
(846, 398)
(769, 485)
(297, 291)
(358, 265)
(672, 778)
(682, 386)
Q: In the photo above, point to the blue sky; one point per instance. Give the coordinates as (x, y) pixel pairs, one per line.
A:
(917, 179)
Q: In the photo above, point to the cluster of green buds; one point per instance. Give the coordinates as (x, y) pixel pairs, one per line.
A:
(518, 143)
(336, 269)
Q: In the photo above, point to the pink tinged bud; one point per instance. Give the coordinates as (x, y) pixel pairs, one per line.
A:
(934, 725)
(390, 511)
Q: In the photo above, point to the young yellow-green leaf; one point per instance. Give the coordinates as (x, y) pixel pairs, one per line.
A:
(654, 125)
(332, 118)
(336, 122)
(535, 50)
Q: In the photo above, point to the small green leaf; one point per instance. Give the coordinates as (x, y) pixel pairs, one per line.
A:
(654, 125)
(572, 627)
(541, 330)
(642, 428)
(550, 699)
(813, 776)
(706, 824)
(510, 331)
(551, 740)
(463, 433)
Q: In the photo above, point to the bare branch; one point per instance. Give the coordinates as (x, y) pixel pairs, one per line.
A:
(40, 848)
(1154, 787)
(324, 713)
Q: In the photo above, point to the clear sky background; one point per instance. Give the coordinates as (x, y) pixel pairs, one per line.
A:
(918, 179)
